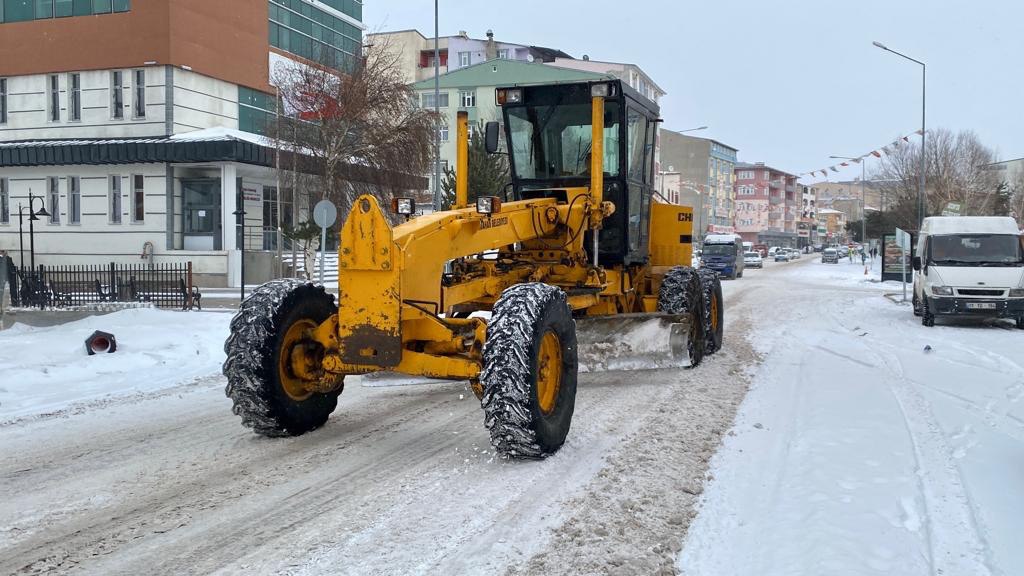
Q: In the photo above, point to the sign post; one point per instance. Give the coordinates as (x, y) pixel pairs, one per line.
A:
(903, 239)
(324, 214)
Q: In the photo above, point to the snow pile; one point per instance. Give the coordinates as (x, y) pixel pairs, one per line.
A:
(47, 369)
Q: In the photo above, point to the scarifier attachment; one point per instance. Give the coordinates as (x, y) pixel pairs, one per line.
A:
(633, 342)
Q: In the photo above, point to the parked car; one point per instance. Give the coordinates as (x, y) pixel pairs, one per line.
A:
(794, 254)
(819, 247)
(842, 250)
(782, 256)
(753, 259)
(830, 255)
(773, 250)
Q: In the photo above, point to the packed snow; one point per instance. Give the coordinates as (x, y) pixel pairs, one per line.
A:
(868, 444)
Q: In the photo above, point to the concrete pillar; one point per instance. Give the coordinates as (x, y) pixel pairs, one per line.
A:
(229, 203)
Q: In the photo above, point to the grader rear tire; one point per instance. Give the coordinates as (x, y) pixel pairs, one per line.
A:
(529, 371)
(263, 392)
(680, 293)
(713, 310)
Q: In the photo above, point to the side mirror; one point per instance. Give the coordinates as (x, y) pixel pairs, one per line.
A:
(491, 137)
(917, 262)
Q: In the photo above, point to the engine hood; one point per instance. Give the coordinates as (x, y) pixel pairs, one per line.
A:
(969, 276)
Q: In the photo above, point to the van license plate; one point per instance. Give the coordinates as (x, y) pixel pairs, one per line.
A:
(981, 305)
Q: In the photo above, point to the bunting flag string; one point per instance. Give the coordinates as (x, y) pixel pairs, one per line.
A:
(887, 150)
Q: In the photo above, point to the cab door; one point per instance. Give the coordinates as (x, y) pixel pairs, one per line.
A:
(641, 132)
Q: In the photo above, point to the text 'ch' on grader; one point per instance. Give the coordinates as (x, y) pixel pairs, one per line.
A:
(577, 239)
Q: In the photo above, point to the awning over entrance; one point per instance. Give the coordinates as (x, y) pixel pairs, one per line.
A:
(215, 148)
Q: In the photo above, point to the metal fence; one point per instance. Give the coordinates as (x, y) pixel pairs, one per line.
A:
(167, 285)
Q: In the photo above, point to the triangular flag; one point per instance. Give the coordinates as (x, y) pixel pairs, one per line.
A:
(886, 150)
(906, 138)
(844, 164)
(918, 132)
(857, 160)
(896, 143)
(876, 154)
(833, 168)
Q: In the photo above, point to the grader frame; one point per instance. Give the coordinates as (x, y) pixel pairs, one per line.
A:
(399, 310)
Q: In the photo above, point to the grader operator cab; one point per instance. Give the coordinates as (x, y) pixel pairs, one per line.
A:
(575, 240)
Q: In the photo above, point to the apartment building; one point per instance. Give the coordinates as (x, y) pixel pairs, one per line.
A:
(767, 205)
(136, 122)
(707, 169)
(416, 52)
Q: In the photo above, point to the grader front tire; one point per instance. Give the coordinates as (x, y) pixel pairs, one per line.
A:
(529, 371)
(681, 293)
(264, 393)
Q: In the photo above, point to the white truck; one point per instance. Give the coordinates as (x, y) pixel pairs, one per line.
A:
(969, 265)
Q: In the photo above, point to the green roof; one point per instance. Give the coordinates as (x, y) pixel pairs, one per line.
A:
(502, 72)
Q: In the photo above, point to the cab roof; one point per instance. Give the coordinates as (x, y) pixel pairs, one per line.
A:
(969, 225)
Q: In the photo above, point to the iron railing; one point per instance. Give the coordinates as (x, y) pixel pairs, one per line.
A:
(166, 285)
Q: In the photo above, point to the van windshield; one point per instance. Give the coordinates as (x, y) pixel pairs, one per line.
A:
(976, 250)
(719, 250)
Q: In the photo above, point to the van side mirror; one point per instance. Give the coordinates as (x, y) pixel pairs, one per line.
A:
(491, 137)
(917, 262)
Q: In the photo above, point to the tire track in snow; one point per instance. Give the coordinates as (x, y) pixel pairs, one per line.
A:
(955, 543)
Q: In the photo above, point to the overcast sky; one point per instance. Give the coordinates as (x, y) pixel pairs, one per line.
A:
(786, 82)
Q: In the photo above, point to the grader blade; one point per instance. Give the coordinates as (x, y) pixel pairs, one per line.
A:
(633, 342)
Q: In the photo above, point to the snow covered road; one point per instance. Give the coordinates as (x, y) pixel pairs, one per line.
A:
(858, 451)
(158, 476)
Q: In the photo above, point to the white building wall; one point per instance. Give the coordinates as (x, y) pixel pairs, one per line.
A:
(28, 113)
(203, 102)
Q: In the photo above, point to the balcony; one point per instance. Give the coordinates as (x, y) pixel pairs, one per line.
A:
(775, 184)
(790, 188)
(775, 199)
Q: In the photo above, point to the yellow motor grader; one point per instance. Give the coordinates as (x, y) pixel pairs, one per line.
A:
(576, 236)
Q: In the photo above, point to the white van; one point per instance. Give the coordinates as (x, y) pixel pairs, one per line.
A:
(969, 265)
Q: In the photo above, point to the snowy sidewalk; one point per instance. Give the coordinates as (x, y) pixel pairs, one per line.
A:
(858, 452)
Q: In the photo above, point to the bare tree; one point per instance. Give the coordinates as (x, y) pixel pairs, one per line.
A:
(354, 123)
(955, 172)
(1016, 207)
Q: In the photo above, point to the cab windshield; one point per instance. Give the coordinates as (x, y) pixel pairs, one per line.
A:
(719, 250)
(976, 250)
(554, 141)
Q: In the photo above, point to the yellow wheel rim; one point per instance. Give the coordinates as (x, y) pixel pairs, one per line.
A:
(292, 385)
(714, 311)
(549, 372)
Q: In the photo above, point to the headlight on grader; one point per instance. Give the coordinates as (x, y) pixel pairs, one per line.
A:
(403, 206)
(488, 205)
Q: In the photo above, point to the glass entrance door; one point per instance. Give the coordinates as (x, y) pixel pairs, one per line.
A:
(201, 214)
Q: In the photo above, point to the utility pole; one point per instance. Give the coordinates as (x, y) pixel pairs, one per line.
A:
(921, 197)
(437, 111)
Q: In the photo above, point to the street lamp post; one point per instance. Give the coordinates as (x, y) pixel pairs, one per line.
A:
(32, 217)
(863, 213)
(921, 177)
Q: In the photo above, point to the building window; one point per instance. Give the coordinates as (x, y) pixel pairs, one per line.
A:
(3, 100)
(117, 95)
(427, 99)
(467, 99)
(503, 54)
(5, 203)
(101, 6)
(75, 97)
(138, 198)
(44, 9)
(122, 5)
(442, 133)
(465, 58)
(53, 97)
(139, 88)
(745, 175)
(74, 200)
(53, 192)
(114, 200)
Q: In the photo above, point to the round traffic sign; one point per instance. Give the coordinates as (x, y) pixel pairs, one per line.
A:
(324, 213)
